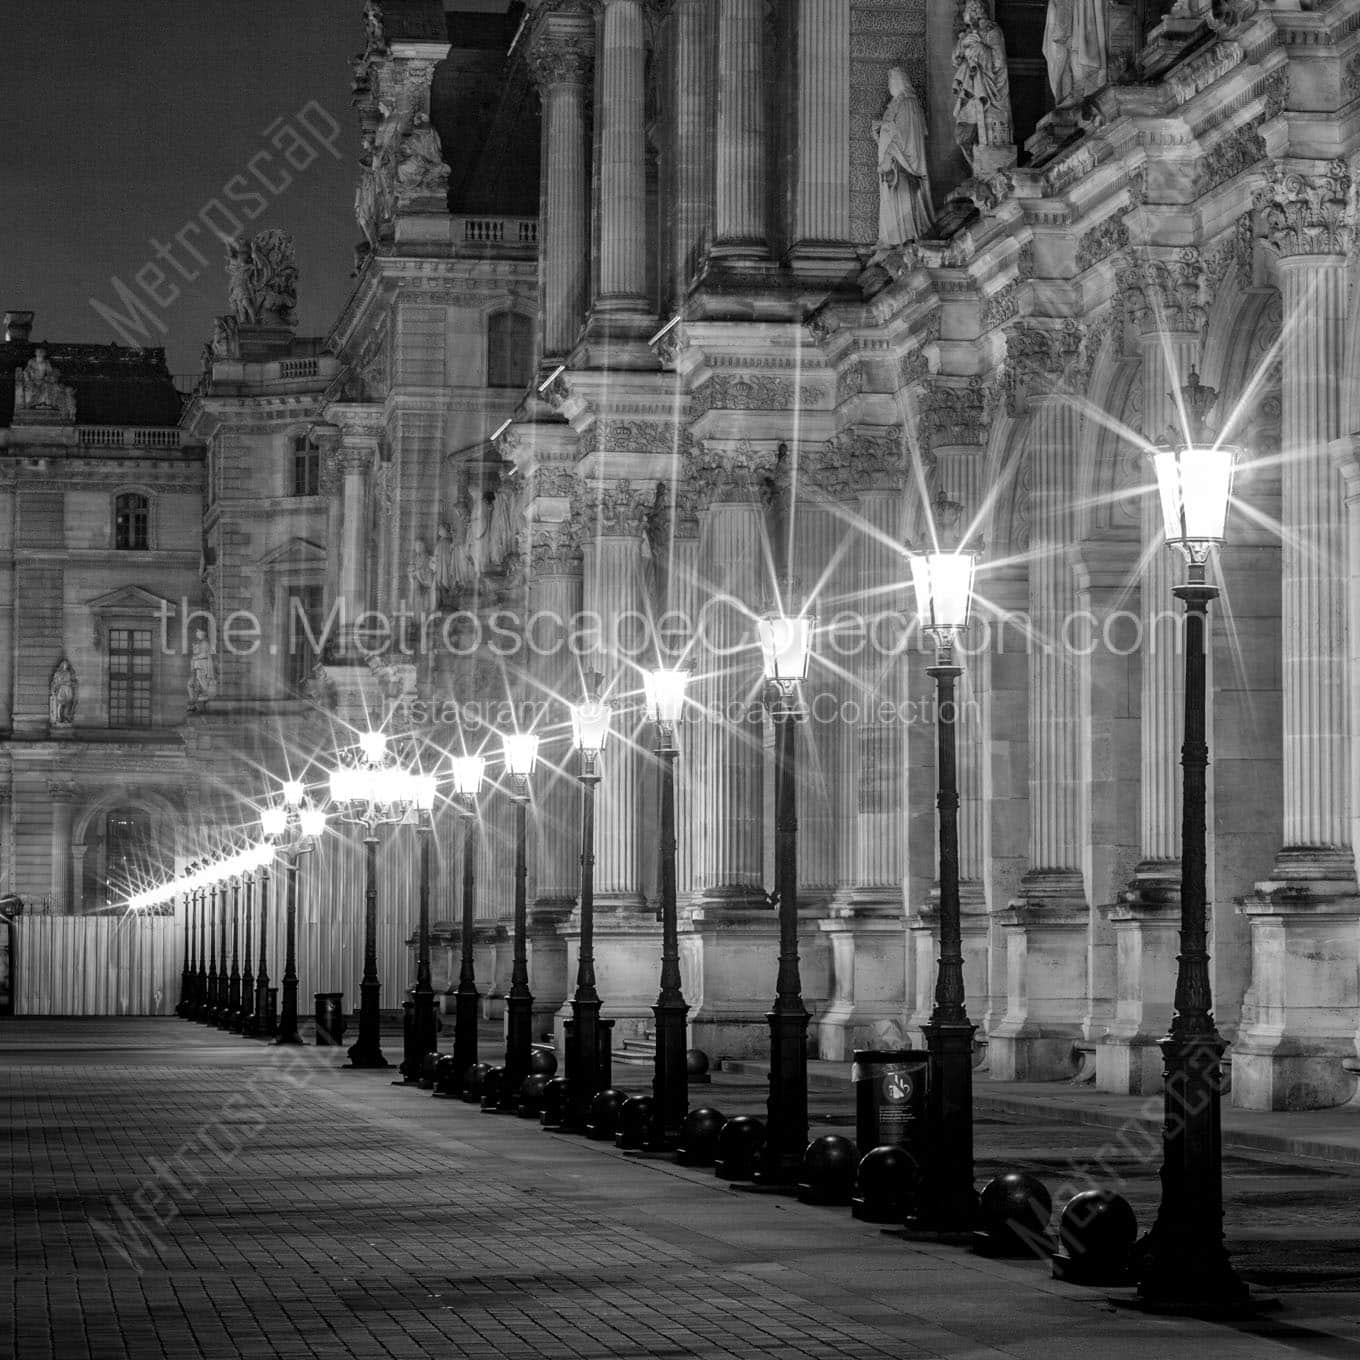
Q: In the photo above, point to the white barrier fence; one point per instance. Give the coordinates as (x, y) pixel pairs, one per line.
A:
(96, 965)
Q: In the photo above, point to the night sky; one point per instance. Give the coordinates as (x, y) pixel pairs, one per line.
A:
(123, 121)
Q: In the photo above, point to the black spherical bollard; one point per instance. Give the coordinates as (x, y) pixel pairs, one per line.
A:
(493, 1087)
(529, 1101)
(1013, 1211)
(472, 1082)
(448, 1082)
(1096, 1233)
(699, 1137)
(603, 1121)
(634, 1123)
(556, 1094)
(543, 1063)
(740, 1141)
(696, 1067)
(885, 1185)
(428, 1064)
(827, 1175)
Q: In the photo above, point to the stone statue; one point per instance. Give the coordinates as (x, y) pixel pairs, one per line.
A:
(502, 537)
(262, 279)
(453, 564)
(656, 544)
(1074, 48)
(374, 196)
(320, 689)
(420, 165)
(423, 575)
(777, 493)
(62, 695)
(374, 36)
(982, 86)
(38, 387)
(202, 672)
(905, 211)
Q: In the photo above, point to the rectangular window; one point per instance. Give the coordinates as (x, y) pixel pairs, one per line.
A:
(132, 523)
(306, 468)
(129, 677)
(304, 602)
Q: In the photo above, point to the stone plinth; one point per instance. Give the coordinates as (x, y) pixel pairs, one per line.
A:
(868, 974)
(1146, 939)
(923, 955)
(627, 966)
(548, 976)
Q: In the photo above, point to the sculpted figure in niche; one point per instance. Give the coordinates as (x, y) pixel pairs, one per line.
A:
(982, 85)
(62, 695)
(1074, 48)
(422, 574)
(38, 386)
(905, 211)
(421, 169)
(202, 672)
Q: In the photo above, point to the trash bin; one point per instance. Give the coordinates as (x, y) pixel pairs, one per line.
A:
(330, 1019)
(891, 1087)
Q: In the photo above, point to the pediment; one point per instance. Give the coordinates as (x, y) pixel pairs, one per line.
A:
(132, 600)
(297, 552)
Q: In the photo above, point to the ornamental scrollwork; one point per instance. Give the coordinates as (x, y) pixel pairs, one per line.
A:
(1102, 241)
(1309, 214)
(1166, 294)
(1043, 359)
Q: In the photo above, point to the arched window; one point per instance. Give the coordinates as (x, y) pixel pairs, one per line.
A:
(509, 350)
(306, 466)
(132, 522)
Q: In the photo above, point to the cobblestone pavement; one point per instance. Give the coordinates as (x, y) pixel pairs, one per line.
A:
(176, 1192)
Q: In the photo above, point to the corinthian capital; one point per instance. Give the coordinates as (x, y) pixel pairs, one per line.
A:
(1166, 295)
(562, 49)
(1044, 356)
(1309, 213)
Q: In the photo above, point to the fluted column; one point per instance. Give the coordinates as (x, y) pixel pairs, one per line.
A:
(357, 454)
(740, 137)
(613, 592)
(692, 65)
(729, 859)
(620, 108)
(560, 59)
(61, 795)
(821, 193)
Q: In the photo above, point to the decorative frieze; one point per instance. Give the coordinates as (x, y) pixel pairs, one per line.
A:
(1102, 241)
(1234, 154)
(855, 460)
(754, 392)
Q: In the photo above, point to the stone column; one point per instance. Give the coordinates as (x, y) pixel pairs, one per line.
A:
(1146, 919)
(560, 58)
(620, 108)
(739, 233)
(692, 44)
(1298, 1017)
(821, 192)
(358, 452)
(61, 795)
(1046, 923)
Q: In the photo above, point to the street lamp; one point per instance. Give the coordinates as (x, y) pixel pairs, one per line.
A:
(230, 1018)
(786, 649)
(186, 976)
(944, 592)
(292, 827)
(1182, 1263)
(590, 730)
(198, 886)
(466, 774)
(665, 696)
(247, 1008)
(262, 1023)
(371, 789)
(521, 755)
(213, 1000)
(423, 1035)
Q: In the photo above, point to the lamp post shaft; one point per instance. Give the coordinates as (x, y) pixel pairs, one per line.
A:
(424, 1034)
(786, 1134)
(519, 1003)
(947, 1194)
(185, 976)
(247, 976)
(288, 1016)
(220, 1010)
(261, 1022)
(583, 1052)
(367, 1050)
(232, 1018)
(670, 1075)
(211, 1003)
(1182, 1262)
(466, 1000)
(200, 968)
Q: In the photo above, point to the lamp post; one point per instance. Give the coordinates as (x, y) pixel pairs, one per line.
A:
(371, 789)
(231, 1016)
(944, 588)
(247, 1009)
(199, 881)
(467, 773)
(665, 694)
(220, 1002)
(521, 755)
(186, 982)
(211, 1002)
(1182, 1264)
(786, 648)
(292, 827)
(423, 1035)
(261, 1023)
(590, 730)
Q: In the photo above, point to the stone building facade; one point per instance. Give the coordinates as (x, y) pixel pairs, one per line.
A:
(684, 348)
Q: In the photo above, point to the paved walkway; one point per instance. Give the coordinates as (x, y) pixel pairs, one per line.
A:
(175, 1192)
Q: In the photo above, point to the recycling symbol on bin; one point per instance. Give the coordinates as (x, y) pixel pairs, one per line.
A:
(896, 1086)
